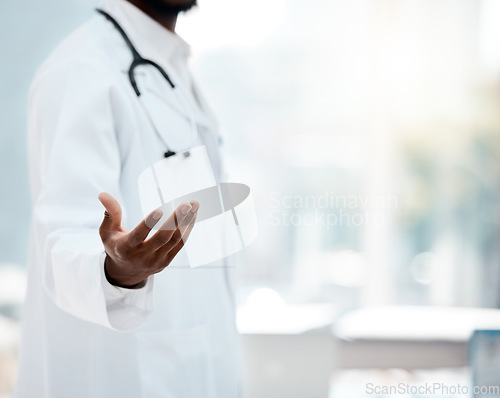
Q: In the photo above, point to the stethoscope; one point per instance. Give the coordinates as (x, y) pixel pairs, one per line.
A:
(138, 60)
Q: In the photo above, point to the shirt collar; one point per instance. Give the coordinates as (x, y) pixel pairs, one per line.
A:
(151, 39)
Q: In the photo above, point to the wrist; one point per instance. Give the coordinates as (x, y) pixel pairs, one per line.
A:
(123, 281)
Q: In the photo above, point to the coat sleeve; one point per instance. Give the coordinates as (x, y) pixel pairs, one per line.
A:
(74, 155)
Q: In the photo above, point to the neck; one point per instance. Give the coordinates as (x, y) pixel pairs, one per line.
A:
(167, 21)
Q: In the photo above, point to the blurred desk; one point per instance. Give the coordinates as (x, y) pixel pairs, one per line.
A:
(288, 351)
(409, 337)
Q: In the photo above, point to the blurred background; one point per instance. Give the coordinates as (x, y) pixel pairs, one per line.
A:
(369, 132)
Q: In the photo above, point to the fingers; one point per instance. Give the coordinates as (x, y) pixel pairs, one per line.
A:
(141, 232)
(171, 252)
(190, 219)
(171, 227)
(112, 216)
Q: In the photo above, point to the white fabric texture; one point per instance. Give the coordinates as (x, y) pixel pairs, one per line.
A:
(83, 337)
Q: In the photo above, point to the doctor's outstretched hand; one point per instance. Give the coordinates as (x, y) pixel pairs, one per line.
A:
(130, 257)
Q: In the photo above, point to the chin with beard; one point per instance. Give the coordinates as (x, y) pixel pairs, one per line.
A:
(169, 7)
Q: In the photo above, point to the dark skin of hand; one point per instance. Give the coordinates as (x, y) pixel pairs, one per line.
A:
(130, 257)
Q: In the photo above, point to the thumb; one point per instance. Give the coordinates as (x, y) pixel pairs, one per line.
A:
(112, 216)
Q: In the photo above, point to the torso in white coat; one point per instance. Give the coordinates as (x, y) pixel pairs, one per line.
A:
(82, 337)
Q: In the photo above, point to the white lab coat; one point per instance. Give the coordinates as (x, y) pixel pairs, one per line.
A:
(82, 337)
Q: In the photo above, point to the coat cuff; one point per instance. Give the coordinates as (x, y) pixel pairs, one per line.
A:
(127, 309)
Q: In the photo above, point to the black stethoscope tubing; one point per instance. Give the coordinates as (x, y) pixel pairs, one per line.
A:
(137, 60)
